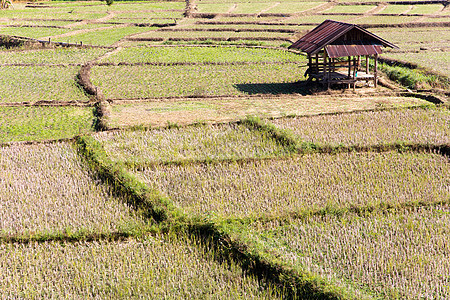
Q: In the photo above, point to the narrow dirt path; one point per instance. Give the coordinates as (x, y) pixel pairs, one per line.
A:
(376, 9)
(75, 32)
(106, 55)
(312, 10)
(84, 22)
(269, 8)
(436, 13)
(106, 18)
(411, 7)
(232, 8)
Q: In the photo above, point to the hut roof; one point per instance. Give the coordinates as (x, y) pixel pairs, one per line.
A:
(341, 39)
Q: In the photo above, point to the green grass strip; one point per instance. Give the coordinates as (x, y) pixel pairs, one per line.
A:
(338, 212)
(282, 136)
(414, 78)
(154, 205)
(79, 236)
(151, 203)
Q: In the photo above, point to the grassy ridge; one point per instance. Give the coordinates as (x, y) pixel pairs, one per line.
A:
(152, 204)
(233, 244)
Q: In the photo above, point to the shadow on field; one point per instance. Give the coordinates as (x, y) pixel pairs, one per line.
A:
(275, 88)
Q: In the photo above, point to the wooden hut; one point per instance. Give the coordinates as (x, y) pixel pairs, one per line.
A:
(338, 53)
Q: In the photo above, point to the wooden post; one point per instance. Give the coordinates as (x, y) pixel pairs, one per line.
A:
(375, 71)
(349, 66)
(325, 70)
(317, 63)
(367, 64)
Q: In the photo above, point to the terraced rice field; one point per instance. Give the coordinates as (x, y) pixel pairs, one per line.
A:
(310, 182)
(40, 198)
(427, 126)
(175, 150)
(44, 123)
(396, 254)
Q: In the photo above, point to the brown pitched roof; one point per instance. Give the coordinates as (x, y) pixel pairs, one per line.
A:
(330, 31)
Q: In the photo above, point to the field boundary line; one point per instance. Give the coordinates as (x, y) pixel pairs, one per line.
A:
(266, 96)
(292, 31)
(217, 39)
(355, 111)
(154, 205)
(338, 212)
(48, 103)
(207, 63)
(43, 142)
(41, 65)
(442, 149)
(63, 237)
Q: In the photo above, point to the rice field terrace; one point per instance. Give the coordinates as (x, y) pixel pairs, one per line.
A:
(176, 150)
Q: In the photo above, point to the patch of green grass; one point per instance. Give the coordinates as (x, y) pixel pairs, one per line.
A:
(385, 20)
(104, 37)
(203, 80)
(132, 20)
(50, 56)
(426, 9)
(414, 78)
(43, 123)
(415, 37)
(349, 9)
(32, 32)
(251, 8)
(154, 15)
(436, 61)
(212, 34)
(31, 84)
(35, 22)
(214, 7)
(81, 26)
(314, 19)
(147, 5)
(293, 7)
(201, 55)
(395, 9)
(49, 14)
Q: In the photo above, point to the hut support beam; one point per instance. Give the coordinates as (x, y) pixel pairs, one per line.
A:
(375, 71)
(367, 64)
(326, 70)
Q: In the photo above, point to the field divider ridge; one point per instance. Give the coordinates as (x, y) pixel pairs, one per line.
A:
(77, 236)
(153, 204)
(220, 233)
(361, 211)
(206, 63)
(102, 110)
